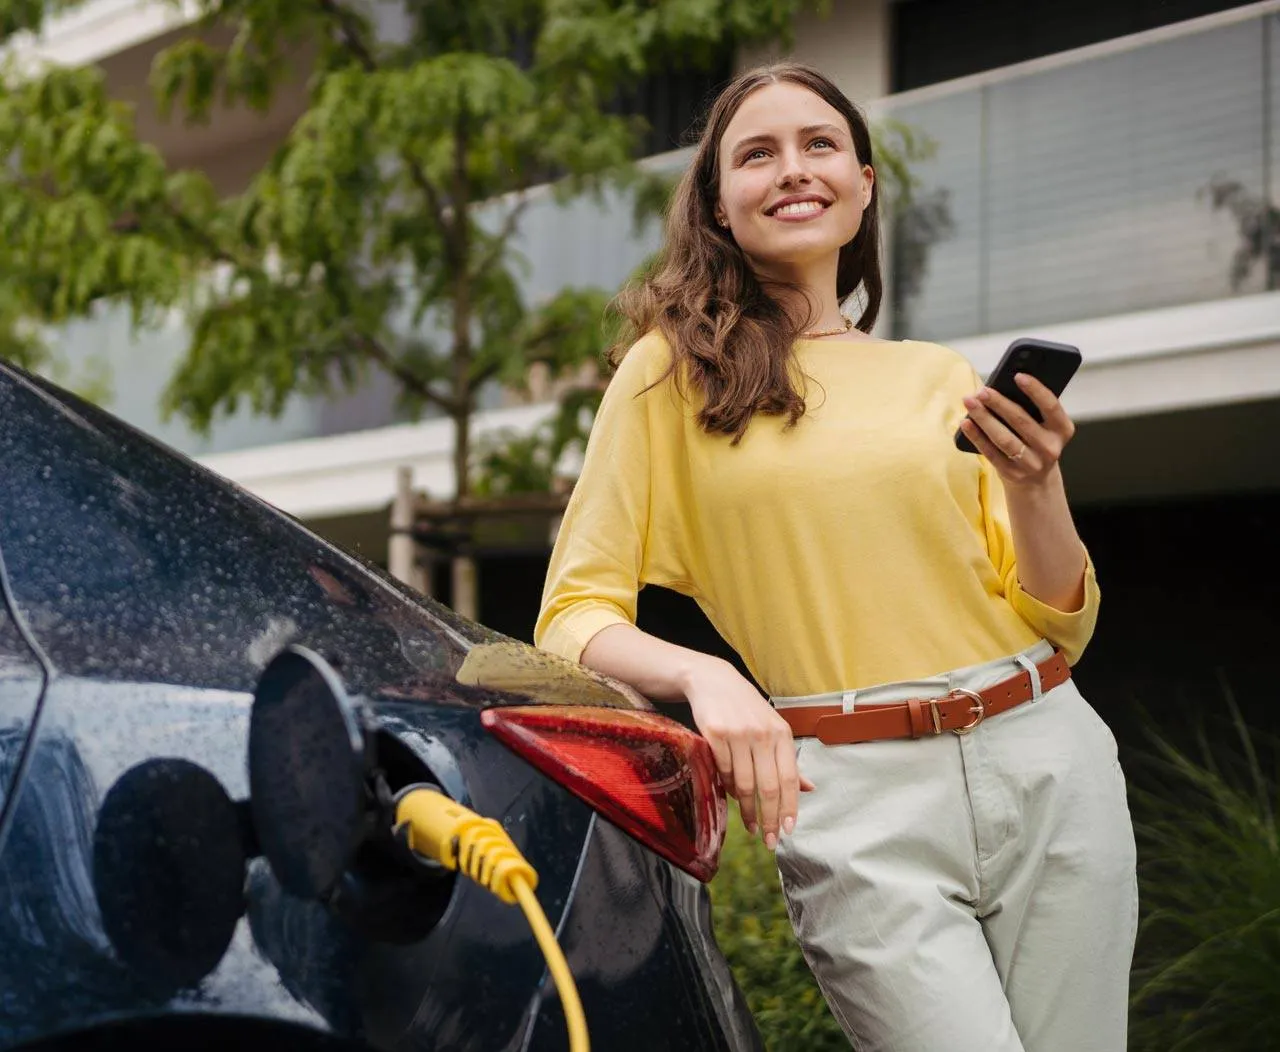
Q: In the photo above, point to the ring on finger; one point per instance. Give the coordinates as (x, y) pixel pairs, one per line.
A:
(1018, 455)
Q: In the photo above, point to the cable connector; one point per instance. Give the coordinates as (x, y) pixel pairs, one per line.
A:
(458, 838)
(435, 827)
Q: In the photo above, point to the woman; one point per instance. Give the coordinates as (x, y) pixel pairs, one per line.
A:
(968, 892)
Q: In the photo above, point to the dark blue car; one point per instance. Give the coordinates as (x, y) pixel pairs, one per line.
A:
(157, 894)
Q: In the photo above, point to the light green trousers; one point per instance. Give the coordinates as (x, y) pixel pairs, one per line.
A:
(969, 893)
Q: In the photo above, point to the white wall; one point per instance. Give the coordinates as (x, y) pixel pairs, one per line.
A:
(850, 45)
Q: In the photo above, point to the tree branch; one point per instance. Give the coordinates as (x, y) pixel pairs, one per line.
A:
(540, 346)
(491, 257)
(351, 38)
(375, 350)
(410, 380)
(216, 252)
(350, 33)
(132, 222)
(483, 376)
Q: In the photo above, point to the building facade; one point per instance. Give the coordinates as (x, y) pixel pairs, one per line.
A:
(1105, 174)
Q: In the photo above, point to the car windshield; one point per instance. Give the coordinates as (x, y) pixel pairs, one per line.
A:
(130, 562)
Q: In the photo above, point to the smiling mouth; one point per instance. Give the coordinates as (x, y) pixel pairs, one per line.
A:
(798, 209)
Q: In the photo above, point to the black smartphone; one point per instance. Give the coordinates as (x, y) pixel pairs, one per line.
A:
(1053, 364)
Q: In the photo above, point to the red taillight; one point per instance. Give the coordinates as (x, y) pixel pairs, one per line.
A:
(645, 773)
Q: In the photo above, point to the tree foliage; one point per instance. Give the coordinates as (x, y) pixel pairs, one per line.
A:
(379, 235)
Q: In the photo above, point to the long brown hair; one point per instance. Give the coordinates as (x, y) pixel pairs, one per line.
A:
(729, 337)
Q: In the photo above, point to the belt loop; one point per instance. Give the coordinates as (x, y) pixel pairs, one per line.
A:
(1029, 667)
(847, 701)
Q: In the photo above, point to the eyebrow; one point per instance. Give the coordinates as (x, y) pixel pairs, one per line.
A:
(808, 129)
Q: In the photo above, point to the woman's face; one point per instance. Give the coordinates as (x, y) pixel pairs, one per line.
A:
(792, 190)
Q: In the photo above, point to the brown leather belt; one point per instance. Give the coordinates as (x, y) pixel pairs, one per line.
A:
(960, 711)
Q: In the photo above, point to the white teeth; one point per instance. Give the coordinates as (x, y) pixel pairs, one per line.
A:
(799, 208)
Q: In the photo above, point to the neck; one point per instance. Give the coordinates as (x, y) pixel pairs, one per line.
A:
(810, 297)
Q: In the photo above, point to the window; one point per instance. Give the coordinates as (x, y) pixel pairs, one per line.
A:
(934, 40)
(673, 100)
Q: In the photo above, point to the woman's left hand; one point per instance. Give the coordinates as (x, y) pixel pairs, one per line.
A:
(1023, 452)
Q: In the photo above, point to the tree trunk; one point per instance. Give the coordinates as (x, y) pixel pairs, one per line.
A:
(466, 596)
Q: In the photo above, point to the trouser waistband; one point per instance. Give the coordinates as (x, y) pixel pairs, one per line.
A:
(956, 701)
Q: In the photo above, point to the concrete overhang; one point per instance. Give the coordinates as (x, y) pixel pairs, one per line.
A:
(1154, 361)
(99, 29)
(355, 473)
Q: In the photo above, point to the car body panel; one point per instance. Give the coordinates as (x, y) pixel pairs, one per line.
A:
(22, 680)
(630, 898)
(153, 594)
(289, 960)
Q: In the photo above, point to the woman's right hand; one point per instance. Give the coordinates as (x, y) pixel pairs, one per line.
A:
(752, 744)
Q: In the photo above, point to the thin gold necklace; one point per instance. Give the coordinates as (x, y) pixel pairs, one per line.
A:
(848, 324)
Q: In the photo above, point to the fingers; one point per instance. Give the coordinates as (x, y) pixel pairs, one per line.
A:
(768, 791)
(1021, 448)
(1020, 424)
(753, 749)
(789, 780)
(744, 779)
(1011, 460)
(1055, 416)
(1048, 437)
(766, 782)
(995, 430)
(724, 762)
(1026, 464)
(1053, 431)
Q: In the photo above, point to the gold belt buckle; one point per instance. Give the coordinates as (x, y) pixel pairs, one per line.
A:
(978, 710)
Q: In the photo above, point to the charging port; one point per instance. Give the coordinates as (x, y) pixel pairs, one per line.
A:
(387, 893)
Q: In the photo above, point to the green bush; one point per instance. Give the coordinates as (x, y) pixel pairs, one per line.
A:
(1207, 966)
(751, 925)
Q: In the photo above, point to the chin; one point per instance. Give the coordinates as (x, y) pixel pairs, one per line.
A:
(796, 254)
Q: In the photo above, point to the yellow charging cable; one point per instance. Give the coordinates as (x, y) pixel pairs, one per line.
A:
(480, 848)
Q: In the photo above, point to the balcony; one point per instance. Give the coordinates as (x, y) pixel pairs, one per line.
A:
(1071, 196)
(1138, 174)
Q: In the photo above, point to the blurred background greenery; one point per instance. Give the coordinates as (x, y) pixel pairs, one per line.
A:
(753, 930)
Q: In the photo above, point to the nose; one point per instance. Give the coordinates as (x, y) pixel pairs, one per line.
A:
(794, 169)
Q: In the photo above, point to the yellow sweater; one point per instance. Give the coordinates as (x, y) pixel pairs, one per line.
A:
(858, 547)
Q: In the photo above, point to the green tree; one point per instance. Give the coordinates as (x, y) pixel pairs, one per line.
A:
(379, 235)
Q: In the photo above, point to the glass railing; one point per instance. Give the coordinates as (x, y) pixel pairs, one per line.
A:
(1134, 175)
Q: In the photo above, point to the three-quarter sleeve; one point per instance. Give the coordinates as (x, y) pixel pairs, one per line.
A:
(603, 554)
(1068, 630)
